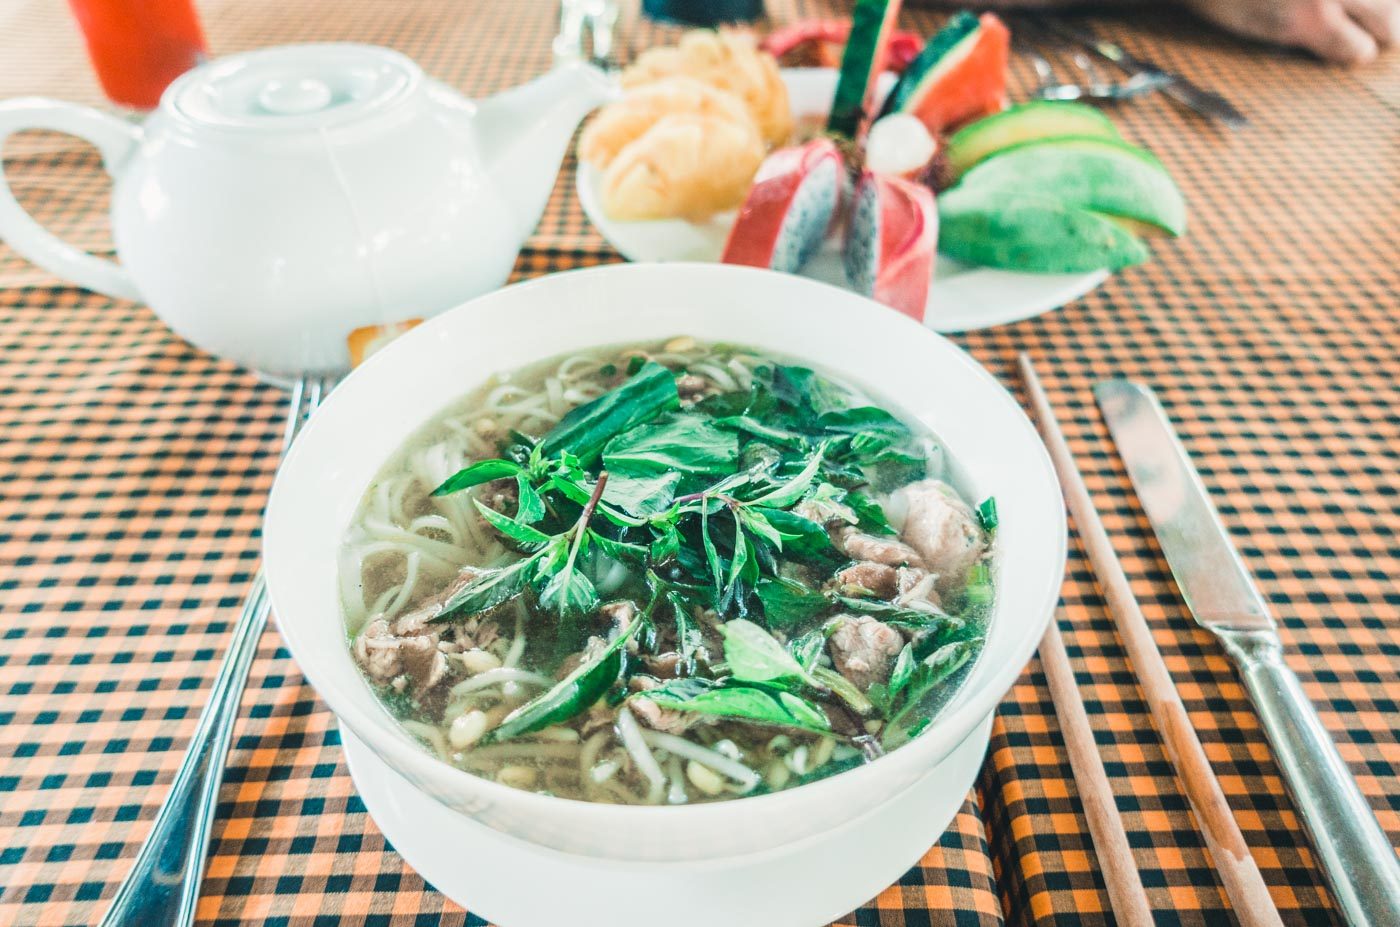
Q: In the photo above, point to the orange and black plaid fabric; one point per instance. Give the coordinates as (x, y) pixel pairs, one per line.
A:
(133, 470)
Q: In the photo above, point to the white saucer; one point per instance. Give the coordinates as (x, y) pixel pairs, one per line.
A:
(962, 298)
(516, 884)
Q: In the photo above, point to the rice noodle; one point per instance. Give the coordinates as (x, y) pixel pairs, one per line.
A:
(501, 674)
(634, 739)
(703, 755)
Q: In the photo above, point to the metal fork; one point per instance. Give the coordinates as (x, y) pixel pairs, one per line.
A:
(1094, 88)
(163, 885)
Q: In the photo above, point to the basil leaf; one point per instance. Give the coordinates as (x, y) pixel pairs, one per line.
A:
(712, 559)
(787, 603)
(807, 392)
(870, 518)
(569, 594)
(666, 544)
(801, 536)
(641, 495)
(488, 590)
(585, 430)
(689, 640)
(987, 514)
(807, 649)
(569, 697)
(786, 494)
(752, 426)
(758, 525)
(762, 704)
(684, 444)
(530, 538)
(903, 670)
(754, 655)
(619, 550)
(531, 507)
(930, 673)
(483, 471)
(740, 566)
(864, 421)
(901, 617)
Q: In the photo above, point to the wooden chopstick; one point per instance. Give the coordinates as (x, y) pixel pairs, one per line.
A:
(1126, 895)
(1237, 870)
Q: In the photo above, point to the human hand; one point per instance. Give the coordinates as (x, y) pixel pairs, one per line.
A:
(1344, 31)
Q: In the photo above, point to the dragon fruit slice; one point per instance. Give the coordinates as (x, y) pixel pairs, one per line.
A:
(890, 242)
(788, 209)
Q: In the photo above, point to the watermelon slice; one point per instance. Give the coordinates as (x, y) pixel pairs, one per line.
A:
(959, 76)
(890, 242)
(789, 207)
(872, 22)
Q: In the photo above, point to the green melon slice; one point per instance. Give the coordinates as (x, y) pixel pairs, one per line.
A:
(872, 21)
(1031, 232)
(1098, 174)
(1027, 122)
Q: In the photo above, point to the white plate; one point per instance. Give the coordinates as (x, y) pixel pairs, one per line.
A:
(962, 298)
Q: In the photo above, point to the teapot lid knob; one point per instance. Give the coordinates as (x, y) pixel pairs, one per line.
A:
(293, 97)
(293, 87)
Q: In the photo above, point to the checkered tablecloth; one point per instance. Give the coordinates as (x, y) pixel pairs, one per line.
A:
(133, 470)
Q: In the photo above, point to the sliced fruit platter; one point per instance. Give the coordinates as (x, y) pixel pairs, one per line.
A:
(903, 174)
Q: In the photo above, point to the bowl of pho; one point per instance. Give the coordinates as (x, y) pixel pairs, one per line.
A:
(665, 562)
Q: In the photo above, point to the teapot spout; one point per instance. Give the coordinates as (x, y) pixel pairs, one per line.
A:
(523, 133)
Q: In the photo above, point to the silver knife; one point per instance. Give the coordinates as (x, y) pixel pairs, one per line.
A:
(1188, 94)
(1357, 858)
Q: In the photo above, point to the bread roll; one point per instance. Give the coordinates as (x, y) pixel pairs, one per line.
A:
(685, 165)
(728, 60)
(618, 125)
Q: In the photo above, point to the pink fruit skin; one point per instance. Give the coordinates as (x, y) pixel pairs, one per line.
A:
(754, 236)
(908, 241)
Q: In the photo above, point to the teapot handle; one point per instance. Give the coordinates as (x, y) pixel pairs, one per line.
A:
(115, 139)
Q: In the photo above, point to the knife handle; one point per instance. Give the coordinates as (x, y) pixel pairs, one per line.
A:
(1356, 855)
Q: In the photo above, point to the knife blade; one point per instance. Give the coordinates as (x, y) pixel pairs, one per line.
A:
(1180, 89)
(1356, 855)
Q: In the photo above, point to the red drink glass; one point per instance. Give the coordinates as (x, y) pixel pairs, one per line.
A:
(138, 47)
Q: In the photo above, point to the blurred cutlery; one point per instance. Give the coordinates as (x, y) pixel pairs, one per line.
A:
(1356, 854)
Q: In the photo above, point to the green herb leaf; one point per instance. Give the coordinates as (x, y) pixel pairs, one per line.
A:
(762, 704)
(911, 618)
(531, 507)
(870, 518)
(585, 430)
(666, 544)
(800, 535)
(752, 426)
(806, 649)
(757, 524)
(864, 421)
(641, 495)
(683, 444)
(483, 471)
(689, 640)
(788, 493)
(488, 590)
(569, 697)
(530, 538)
(754, 655)
(712, 558)
(569, 594)
(930, 673)
(619, 550)
(787, 603)
(987, 514)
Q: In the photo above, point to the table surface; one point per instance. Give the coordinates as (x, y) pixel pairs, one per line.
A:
(133, 471)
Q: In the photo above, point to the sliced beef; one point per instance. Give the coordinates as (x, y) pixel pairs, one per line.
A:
(944, 531)
(877, 579)
(665, 720)
(691, 386)
(864, 650)
(861, 546)
(409, 652)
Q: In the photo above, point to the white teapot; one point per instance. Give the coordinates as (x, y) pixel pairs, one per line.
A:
(279, 199)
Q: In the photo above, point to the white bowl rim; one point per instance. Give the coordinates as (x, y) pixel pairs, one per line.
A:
(956, 721)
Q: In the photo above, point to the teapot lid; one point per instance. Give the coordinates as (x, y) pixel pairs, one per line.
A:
(294, 87)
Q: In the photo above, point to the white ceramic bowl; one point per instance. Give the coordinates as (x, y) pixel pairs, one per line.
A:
(374, 411)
